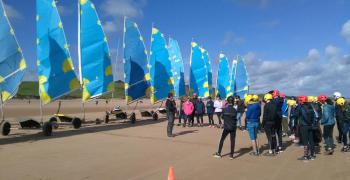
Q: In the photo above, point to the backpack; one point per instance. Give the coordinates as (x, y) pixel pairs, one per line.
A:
(347, 113)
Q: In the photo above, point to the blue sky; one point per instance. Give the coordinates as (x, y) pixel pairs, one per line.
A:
(274, 35)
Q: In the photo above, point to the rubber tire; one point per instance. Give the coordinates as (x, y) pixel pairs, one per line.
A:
(155, 116)
(107, 118)
(76, 122)
(133, 118)
(47, 129)
(124, 116)
(53, 121)
(5, 128)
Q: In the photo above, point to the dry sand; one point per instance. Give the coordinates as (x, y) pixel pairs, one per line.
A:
(142, 151)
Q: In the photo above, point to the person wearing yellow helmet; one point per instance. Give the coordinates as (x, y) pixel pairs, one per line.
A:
(253, 120)
(343, 114)
(339, 102)
(269, 123)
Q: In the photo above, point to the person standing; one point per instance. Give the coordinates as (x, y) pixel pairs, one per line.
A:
(284, 116)
(171, 110)
(253, 119)
(278, 101)
(210, 112)
(218, 104)
(199, 111)
(343, 113)
(328, 121)
(181, 112)
(194, 102)
(336, 96)
(229, 114)
(188, 109)
(269, 123)
(240, 111)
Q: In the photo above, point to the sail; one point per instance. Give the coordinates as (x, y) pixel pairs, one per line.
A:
(162, 81)
(95, 63)
(198, 72)
(209, 70)
(177, 67)
(241, 78)
(223, 79)
(12, 63)
(55, 67)
(136, 75)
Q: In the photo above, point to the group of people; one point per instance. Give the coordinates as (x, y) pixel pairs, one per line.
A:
(299, 117)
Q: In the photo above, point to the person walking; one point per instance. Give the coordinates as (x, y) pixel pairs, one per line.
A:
(218, 104)
(210, 112)
(229, 114)
(253, 119)
(328, 122)
(171, 110)
(199, 111)
(269, 123)
(188, 109)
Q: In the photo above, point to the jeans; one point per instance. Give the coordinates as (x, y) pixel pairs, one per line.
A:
(239, 119)
(346, 130)
(170, 117)
(328, 135)
(285, 125)
(211, 119)
(199, 118)
(182, 116)
(252, 128)
(271, 136)
(307, 134)
(232, 133)
(292, 125)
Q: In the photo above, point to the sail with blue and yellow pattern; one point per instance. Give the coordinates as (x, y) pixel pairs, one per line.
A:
(209, 70)
(223, 79)
(136, 75)
(177, 67)
(162, 81)
(12, 63)
(198, 72)
(240, 78)
(55, 67)
(95, 62)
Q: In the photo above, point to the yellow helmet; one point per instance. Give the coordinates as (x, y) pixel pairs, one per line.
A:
(341, 101)
(291, 102)
(255, 97)
(247, 98)
(268, 97)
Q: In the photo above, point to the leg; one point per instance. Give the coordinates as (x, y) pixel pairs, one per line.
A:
(279, 134)
(233, 141)
(285, 126)
(219, 117)
(311, 142)
(201, 116)
(340, 130)
(239, 123)
(170, 124)
(222, 139)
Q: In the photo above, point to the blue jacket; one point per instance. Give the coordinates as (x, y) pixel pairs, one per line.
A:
(210, 107)
(199, 107)
(253, 112)
(328, 115)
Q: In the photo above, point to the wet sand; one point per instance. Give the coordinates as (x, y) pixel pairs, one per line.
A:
(142, 151)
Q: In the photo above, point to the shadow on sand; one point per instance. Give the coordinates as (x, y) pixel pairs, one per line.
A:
(185, 132)
(85, 129)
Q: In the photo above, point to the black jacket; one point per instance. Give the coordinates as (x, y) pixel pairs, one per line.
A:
(229, 114)
(278, 103)
(270, 114)
(170, 106)
(307, 116)
(241, 106)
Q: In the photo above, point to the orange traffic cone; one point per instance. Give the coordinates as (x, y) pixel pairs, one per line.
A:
(171, 173)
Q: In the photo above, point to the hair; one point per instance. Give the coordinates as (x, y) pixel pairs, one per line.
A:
(329, 101)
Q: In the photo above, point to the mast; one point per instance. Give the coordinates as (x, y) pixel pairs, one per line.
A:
(79, 61)
(234, 81)
(189, 84)
(2, 109)
(116, 60)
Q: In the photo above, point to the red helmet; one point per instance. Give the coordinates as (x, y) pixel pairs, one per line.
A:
(302, 99)
(283, 96)
(194, 95)
(322, 98)
(275, 93)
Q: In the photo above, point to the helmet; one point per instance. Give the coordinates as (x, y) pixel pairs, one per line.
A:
(267, 97)
(322, 98)
(291, 102)
(340, 101)
(247, 98)
(312, 99)
(337, 95)
(255, 97)
(230, 99)
(194, 95)
(283, 96)
(302, 99)
(275, 93)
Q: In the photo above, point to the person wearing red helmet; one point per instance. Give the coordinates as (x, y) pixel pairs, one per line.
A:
(278, 101)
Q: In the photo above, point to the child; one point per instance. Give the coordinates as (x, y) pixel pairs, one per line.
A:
(269, 123)
(188, 109)
(253, 119)
(210, 112)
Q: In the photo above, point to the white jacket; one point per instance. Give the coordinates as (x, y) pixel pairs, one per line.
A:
(218, 105)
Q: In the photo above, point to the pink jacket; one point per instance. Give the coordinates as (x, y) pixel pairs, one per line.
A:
(188, 108)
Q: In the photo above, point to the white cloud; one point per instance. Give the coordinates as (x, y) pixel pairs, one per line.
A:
(345, 32)
(313, 55)
(65, 11)
(12, 12)
(120, 8)
(109, 27)
(331, 52)
(231, 38)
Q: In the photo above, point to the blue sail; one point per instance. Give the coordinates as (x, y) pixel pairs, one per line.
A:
(198, 72)
(209, 70)
(240, 79)
(136, 75)
(178, 68)
(12, 63)
(223, 79)
(162, 81)
(55, 67)
(96, 67)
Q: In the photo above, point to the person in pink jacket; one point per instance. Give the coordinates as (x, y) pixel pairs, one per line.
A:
(188, 109)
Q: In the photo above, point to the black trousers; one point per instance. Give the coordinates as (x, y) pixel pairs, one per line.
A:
(270, 131)
(199, 118)
(211, 119)
(307, 134)
(219, 117)
(279, 132)
(340, 130)
(232, 133)
(171, 118)
(328, 135)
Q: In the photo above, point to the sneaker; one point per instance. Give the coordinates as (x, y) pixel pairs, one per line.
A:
(344, 149)
(280, 149)
(312, 157)
(217, 155)
(303, 158)
(231, 157)
(254, 153)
